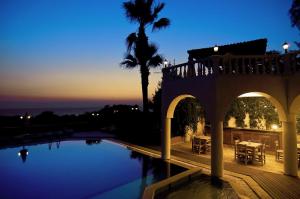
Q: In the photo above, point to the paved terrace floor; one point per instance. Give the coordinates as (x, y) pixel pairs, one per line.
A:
(270, 176)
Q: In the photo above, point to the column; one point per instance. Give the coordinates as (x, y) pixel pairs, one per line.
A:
(166, 148)
(217, 149)
(290, 146)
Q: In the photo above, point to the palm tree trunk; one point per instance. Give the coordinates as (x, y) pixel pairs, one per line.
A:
(142, 45)
(145, 82)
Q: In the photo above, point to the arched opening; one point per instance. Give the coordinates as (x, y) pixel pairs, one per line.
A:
(253, 131)
(184, 121)
(188, 129)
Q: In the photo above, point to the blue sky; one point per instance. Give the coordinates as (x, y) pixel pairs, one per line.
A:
(67, 50)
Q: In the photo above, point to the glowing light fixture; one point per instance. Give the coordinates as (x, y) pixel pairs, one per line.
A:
(285, 47)
(251, 94)
(19, 154)
(21, 117)
(274, 126)
(93, 114)
(28, 117)
(165, 63)
(216, 48)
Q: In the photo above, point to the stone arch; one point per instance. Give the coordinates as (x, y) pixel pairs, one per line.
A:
(174, 102)
(280, 110)
(168, 113)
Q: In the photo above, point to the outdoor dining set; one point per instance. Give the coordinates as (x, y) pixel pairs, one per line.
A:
(244, 151)
(201, 144)
(247, 151)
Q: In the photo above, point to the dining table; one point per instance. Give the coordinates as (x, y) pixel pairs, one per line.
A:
(206, 140)
(251, 144)
(254, 145)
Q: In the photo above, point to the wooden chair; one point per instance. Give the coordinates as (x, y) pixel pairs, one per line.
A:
(196, 145)
(235, 148)
(260, 155)
(242, 153)
(278, 152)
(250, 152)
(208, 145)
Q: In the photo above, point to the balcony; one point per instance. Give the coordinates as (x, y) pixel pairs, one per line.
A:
(272, 64)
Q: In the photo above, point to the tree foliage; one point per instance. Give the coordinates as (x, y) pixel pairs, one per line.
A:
(258, 108)
(187, 115)
(295, 15)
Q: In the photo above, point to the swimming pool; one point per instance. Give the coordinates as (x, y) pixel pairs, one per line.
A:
(97, 169)
(203, 186)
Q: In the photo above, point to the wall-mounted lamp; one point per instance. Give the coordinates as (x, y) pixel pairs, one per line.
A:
(216, 48)
(285, 47)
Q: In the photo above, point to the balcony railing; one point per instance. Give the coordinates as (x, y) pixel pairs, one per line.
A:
(273, 64)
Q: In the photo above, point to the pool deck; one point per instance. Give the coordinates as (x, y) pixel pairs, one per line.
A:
(271, 181)
(275, 184)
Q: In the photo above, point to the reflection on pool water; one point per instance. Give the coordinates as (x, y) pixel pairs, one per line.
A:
(79, 169)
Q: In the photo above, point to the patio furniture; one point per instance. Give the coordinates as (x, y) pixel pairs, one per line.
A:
(260, 155)
(242, 153)
(247, 151)
(201, 144)
(278, 152)
(208, 145)
(235, 148)
(196, 145)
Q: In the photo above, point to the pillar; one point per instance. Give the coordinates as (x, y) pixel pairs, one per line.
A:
(290, 146)
(166, 148)
(217, 149)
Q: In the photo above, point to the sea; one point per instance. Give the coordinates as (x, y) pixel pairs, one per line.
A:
(37, 111)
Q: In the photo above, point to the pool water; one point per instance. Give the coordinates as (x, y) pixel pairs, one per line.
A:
(79, 169)
(202, 187)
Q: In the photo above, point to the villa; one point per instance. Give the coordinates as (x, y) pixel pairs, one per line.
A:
(216, 76)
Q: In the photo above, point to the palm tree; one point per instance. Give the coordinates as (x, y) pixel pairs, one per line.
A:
(151, 58)
(295, 13)
(295, 16)
(144, 13)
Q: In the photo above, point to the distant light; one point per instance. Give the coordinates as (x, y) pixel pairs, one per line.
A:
(274, 126)
(165, 63)
(132, 108)
(27, 153)
(97, 114)
(28, 117)
(19, 154)
(93, 114)
(21, 117)
(251, 94)
(216, 48)
(136, 108)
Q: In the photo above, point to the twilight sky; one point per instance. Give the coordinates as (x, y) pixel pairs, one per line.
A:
(67, 52)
